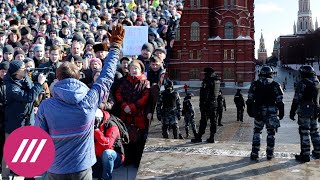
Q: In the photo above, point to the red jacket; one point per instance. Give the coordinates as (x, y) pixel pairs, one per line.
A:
(134, 92)
(107, 136)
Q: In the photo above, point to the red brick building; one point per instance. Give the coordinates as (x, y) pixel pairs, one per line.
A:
(216, 33)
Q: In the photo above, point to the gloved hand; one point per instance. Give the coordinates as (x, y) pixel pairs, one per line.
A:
(225, 109)
(159, 118)
(292, 114)
(117, 35)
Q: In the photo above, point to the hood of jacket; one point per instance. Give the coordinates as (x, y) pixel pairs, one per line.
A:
(70, 90)
(135, 79)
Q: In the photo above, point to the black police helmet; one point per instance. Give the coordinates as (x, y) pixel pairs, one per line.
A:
(189, 95)
(169, 84)
(208, 70)
(307, 71)
(266, 71)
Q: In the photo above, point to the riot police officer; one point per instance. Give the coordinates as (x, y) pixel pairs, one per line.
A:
(209, 92)
(188, 113)
(169, 110)
(265, 105)
(306, 104)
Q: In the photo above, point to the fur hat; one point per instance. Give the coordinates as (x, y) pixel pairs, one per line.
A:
(100, 47)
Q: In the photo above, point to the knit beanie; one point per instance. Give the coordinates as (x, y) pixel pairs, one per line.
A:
(96, 60)
(8, 48)
(38, 47)
(4, 65)
(148, 47)
(14, 66)
(18, 52)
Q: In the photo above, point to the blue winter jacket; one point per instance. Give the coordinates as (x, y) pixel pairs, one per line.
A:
(20, 96)
(68, 117)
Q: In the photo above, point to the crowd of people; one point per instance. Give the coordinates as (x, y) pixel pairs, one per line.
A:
(56, 55)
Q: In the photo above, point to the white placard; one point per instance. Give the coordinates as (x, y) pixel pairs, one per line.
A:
(134, 38)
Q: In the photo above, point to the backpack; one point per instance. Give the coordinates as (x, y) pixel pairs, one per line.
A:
(121, 126)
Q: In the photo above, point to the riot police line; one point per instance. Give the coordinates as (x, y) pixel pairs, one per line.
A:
(265, 104)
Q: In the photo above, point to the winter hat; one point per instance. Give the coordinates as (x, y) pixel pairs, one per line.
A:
(100, 47)
(14, 66)
(77, 58)
(8, 49)
(96, 60)
(14, 22)
(18, 52)
(161, 50)
(4, 65)
(125, 58)
(38, 47)
(25, 31)
(79, 38)
(148, 47)
(138, 63)
(64, 24)
(17, 44)
(90, 41)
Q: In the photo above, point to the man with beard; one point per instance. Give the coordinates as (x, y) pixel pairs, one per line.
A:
(146, 52)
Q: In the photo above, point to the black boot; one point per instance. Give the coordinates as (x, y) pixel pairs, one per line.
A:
(269, 154)
(302, 158)
(195, 134)
(175, 131)
(196, 139)
(254, 157)
(187, 132)
(315, 156)
(210, 139)
(165, 133)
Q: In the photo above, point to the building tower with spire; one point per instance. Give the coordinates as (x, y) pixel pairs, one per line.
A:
(262, 52)
(304, 22)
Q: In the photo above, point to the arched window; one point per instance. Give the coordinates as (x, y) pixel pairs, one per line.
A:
(228, 30)
(198, 4)
(191, 4)
(195, 31)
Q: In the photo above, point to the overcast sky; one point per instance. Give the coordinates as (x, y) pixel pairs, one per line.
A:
(276, 17)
